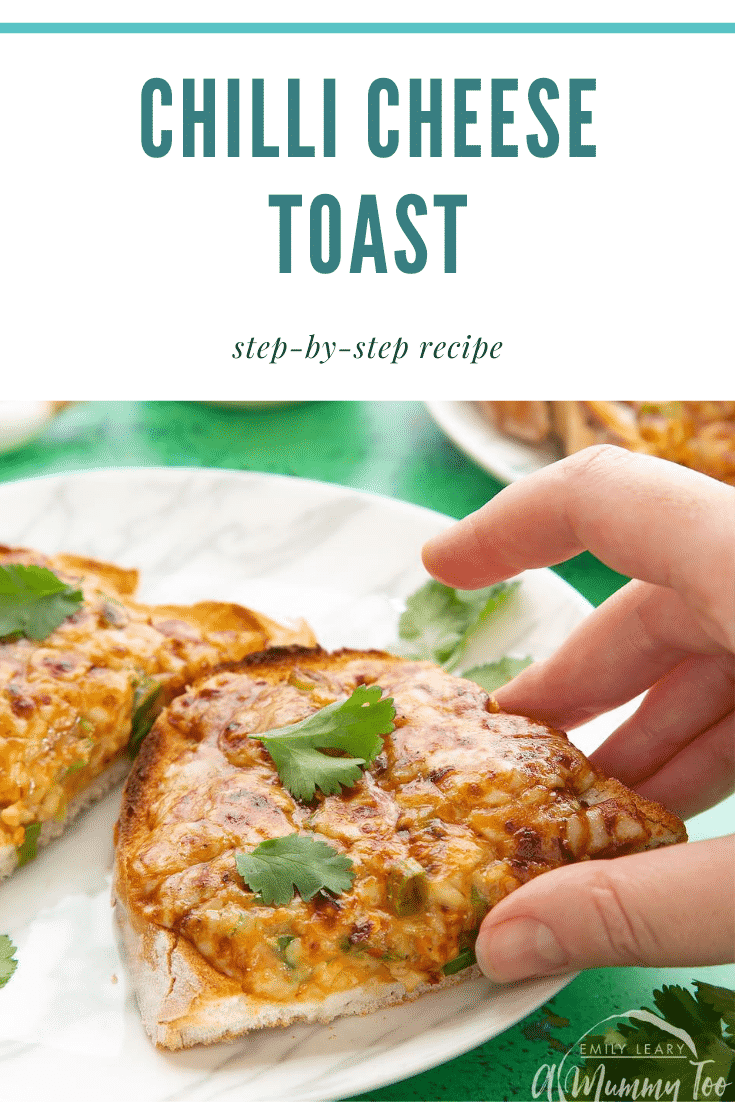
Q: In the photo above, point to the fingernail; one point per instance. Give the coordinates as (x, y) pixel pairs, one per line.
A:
(517, 949)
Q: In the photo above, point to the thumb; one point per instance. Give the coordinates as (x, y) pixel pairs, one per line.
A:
(667, 907)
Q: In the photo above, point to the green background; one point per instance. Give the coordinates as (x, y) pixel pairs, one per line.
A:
(391, 448)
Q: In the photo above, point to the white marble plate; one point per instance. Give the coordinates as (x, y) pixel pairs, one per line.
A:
(69, 1027)
(500, 455)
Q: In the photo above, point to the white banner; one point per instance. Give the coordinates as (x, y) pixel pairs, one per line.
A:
(131, 275)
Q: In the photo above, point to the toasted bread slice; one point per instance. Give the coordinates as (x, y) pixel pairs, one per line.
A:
(467, 801)
(68, 703)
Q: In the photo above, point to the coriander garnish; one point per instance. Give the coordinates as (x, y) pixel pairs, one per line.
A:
(354, 725)
(279, 866)
(33, 601)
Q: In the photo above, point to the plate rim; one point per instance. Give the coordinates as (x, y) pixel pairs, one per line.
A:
(235, 473)
(445, 414)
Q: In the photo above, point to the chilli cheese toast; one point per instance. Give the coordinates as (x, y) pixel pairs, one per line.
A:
(700, 435)
(461, 805)
(68, 702)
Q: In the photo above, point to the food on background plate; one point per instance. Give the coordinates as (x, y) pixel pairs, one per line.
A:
(84, 669)
(700, 435)
(307, 835)
(22, 421)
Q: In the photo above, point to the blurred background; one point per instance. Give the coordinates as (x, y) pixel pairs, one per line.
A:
(392, 448)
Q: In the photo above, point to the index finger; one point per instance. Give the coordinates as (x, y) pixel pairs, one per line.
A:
(644, 517)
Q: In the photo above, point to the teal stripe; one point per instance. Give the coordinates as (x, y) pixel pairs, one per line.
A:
(367, 28)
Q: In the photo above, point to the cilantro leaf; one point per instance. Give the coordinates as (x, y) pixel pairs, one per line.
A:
(492, 675)
(484, 602)
(728, 1029)
(439, 620)
(302, 770)
(278, 866)
(680, 1008)
(720, 999)
(33, 601)
(433, 622)
(28, 849)
(354, 725)
(704, 1016)
(8, 963)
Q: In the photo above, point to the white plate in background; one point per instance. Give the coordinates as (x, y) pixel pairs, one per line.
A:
(501, 456)
(345, 561)
(21, 421)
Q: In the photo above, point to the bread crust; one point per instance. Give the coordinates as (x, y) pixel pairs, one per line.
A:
(184, 1002)
(189, 996)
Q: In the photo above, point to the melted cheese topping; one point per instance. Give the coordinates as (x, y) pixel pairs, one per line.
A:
(475, 801)
(66, 703)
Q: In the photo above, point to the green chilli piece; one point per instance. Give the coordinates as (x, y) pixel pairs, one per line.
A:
(480, 905)
(28, 850)
(283, 951)
(301, 684)
(464, 960)
(406, 888)
(75, 767)
(466, 956)
(113, 616)
(87, 742)
(147, 704)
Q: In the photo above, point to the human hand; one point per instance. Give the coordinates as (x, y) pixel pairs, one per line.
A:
(670, 631)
